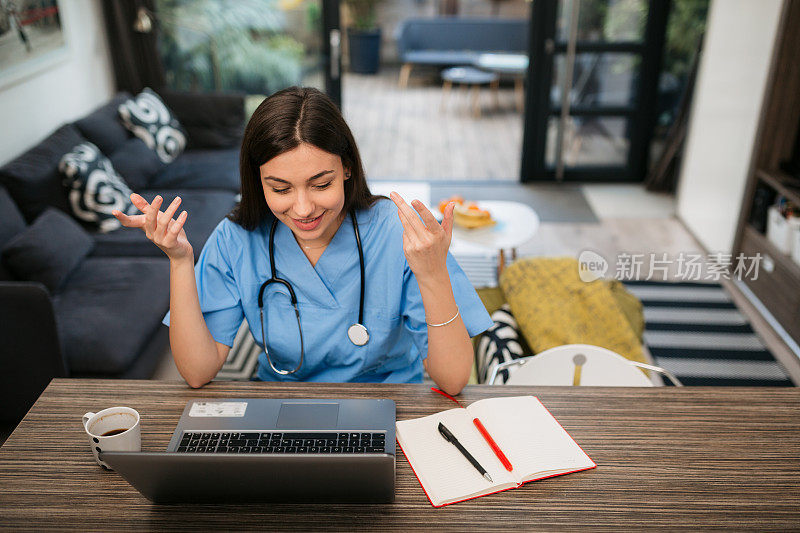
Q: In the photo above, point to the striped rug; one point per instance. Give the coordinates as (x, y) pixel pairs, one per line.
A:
(696, 331)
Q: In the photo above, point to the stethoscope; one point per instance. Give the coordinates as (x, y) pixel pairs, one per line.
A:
(357, 333)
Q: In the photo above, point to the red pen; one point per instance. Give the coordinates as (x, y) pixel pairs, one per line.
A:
(495, 448)
(478, 424)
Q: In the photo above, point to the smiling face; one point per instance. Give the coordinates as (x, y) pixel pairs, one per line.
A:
(304, 189)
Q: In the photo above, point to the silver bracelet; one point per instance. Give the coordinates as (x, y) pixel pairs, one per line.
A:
(445, 323)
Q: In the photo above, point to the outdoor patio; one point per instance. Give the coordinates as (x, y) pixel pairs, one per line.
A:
(417, 133)
(405, 133)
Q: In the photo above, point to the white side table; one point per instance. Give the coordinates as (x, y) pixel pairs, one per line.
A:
(516, 224)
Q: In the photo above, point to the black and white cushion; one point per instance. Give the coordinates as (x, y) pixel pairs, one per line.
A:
(499, 344)
(147, 117)
(94, 187)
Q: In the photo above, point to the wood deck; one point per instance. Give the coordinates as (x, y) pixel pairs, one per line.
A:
(424, 133)
(405, 133)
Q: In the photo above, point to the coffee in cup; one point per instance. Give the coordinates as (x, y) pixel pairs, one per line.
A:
(115, 429)
(113, 432)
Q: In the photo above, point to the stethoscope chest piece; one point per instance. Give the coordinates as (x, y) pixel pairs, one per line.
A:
(358, 334)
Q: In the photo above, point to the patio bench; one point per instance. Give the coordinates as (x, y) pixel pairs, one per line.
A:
(451, 41)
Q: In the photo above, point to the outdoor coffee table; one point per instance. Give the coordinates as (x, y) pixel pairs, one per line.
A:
(470, 77)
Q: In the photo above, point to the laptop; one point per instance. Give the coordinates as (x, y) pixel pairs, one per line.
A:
(270, 450)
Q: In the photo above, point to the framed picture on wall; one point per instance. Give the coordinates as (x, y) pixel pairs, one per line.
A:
(31, 38)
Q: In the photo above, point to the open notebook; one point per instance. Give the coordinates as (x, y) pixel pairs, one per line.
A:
(533, 441)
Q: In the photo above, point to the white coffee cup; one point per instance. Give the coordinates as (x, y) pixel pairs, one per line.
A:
(99, 425)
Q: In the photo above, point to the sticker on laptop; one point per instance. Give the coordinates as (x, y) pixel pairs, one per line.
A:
(218, 409)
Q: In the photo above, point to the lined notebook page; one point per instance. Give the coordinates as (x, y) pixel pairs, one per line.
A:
(443, 471)
(534, 441)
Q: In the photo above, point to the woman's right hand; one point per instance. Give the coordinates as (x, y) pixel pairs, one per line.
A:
(165, 232)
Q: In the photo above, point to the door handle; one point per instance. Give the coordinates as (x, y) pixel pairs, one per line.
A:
(335, 39)
(549, 46)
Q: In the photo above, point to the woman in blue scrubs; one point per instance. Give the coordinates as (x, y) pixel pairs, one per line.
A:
(302, 180)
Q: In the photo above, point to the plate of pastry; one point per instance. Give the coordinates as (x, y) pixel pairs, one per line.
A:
(468, 215)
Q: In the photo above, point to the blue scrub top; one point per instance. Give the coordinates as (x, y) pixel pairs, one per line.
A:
(234, 263)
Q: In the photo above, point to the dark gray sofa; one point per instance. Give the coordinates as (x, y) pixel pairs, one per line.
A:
(104, 320)
(450, 41)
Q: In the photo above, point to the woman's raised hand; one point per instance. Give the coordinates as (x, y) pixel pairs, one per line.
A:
(165, 232)
(425, 242)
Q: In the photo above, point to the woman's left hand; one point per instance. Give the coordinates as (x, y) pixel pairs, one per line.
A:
(425, 242)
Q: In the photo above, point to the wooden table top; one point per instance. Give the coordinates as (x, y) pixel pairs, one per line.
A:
(666, 457)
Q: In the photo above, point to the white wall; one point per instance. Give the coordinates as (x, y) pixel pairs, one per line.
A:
(727, 105)
(35, 106)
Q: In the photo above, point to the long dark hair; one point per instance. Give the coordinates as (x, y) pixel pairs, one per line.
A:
(281, 123)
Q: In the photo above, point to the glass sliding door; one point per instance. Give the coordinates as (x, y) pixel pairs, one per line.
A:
(254, 46)
(594, 80)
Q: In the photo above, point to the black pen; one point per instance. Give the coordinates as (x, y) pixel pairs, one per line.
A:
(449, 437)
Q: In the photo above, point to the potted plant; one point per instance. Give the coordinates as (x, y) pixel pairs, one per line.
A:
(363, 37)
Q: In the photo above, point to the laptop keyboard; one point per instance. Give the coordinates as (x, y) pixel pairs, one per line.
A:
(256, 442)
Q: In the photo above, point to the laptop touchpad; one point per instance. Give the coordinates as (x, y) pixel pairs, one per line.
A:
(308, 416)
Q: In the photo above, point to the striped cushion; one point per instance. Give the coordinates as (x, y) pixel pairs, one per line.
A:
(499, 344)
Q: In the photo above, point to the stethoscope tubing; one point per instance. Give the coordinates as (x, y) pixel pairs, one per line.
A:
(275, 279)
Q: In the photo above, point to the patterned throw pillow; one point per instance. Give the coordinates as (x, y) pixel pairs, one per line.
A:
(94, 187)
(499, 344)
(149, 119)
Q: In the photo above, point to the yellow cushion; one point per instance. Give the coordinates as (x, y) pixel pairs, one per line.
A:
(554, 307)
(630, 306)
(492, 298)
